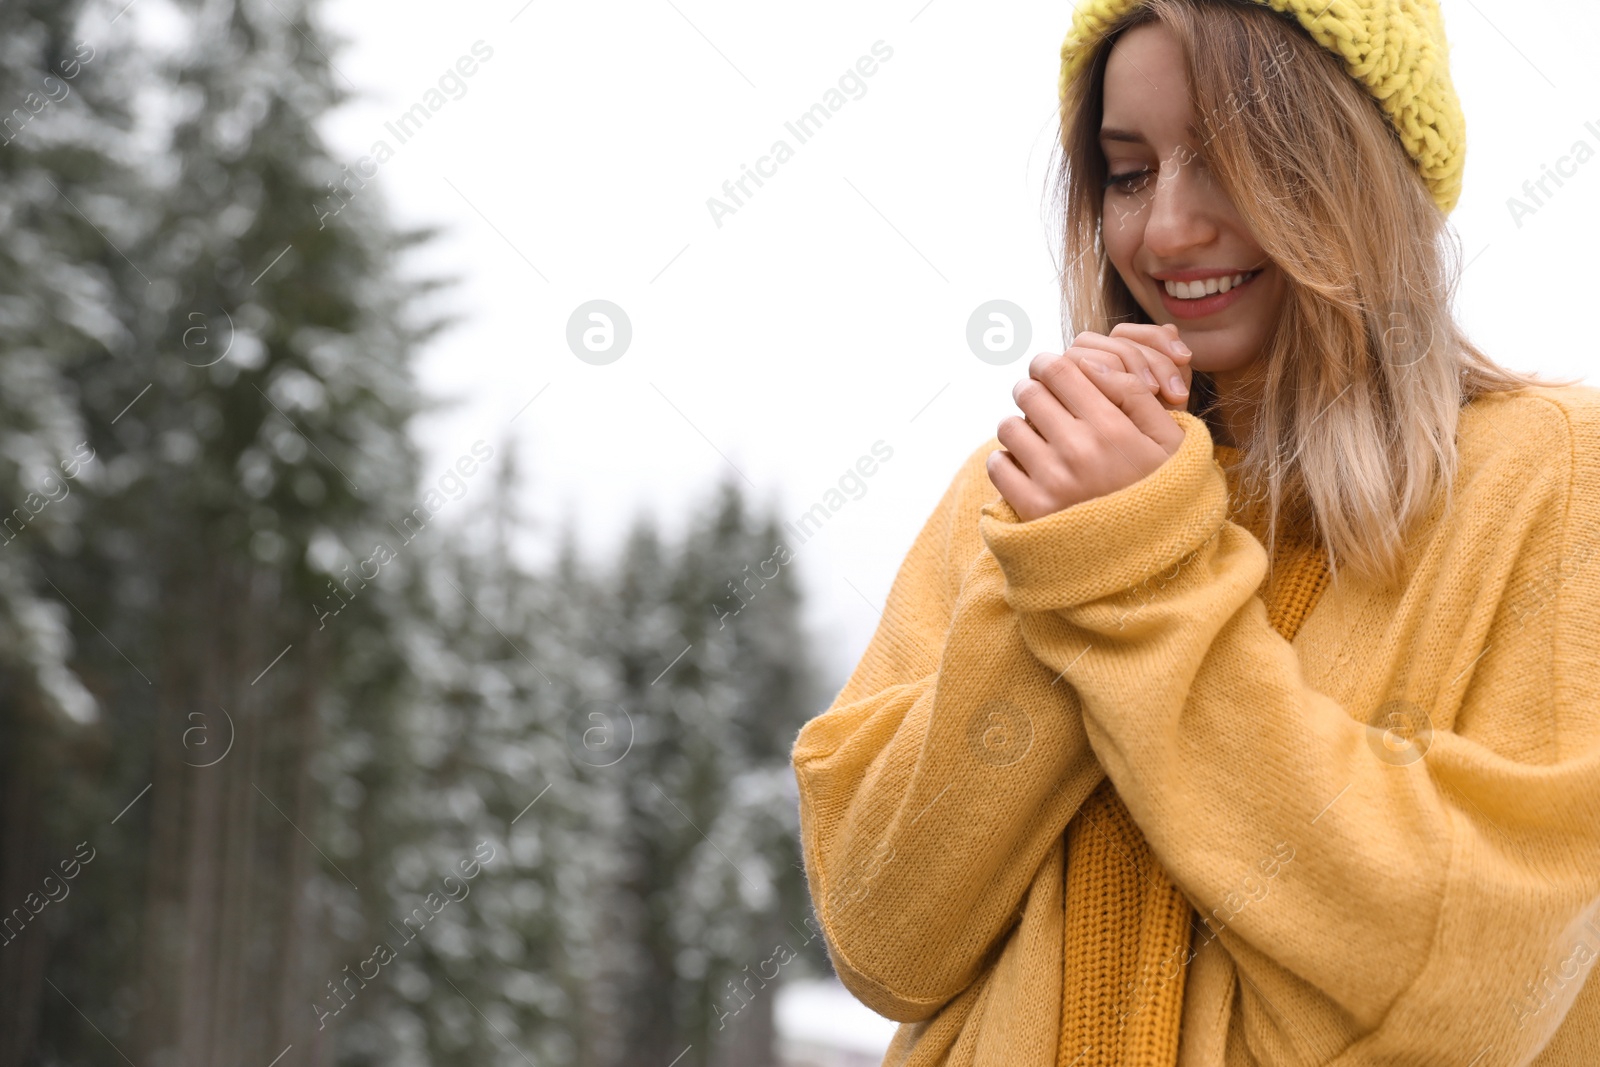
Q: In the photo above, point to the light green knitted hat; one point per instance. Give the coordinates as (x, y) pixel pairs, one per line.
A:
(1396, 49)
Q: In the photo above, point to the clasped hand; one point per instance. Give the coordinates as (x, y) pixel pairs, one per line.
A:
(1094, 419)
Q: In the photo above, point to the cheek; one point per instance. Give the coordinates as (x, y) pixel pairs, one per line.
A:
(1121, 229)
(1277, 297)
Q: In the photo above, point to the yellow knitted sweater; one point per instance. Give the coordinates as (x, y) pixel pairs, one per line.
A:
(1369, 898)
(1129, 930)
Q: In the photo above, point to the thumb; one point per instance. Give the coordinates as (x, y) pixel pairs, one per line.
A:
(1133, 398)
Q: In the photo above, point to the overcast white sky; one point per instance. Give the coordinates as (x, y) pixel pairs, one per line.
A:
(829, 312)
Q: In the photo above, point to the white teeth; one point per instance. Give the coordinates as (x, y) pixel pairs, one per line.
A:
(1220, 284)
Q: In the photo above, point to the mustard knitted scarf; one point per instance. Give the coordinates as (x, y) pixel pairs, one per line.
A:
(1128, 928)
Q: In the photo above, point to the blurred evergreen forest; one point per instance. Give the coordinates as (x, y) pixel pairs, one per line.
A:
(261, 712)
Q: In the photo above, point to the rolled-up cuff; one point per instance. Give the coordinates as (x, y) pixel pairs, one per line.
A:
(1113, 542)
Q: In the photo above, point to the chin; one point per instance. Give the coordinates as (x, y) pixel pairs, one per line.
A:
(1228, 364)
(1218, 351)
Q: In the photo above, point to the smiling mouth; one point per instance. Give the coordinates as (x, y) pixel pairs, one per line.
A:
(1199, 290)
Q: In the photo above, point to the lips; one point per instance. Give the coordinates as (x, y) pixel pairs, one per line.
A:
(1200, 284)
(1210, 304)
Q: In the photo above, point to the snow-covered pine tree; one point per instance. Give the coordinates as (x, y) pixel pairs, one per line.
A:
(718, 676)
(247, 402)
(69, 203)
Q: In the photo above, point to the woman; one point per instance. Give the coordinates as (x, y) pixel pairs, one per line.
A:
(1107, 788)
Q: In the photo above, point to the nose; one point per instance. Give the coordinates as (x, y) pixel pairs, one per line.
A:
(1181, 217)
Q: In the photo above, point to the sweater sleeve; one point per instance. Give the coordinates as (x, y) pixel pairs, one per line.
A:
(936, 782)
(1378, 908)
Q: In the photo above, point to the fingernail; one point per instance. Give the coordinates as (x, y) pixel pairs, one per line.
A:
(1150, 380)
(1177, 385)
(1095, 366)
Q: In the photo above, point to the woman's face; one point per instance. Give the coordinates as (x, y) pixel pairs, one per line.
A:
(1168, 227)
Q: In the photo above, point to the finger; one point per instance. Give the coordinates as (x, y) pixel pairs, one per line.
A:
(1043, 409)
(1160, 339)
(1127, 355)
(1045, 364)
(1094, 412)
(1022, 440)
(1165, 375)
(1132, 359)
(1134, 400)
(1013, 484)
(1165, 336)
(1150, 365)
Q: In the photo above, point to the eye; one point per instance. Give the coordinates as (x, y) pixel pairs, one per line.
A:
(1129, 182)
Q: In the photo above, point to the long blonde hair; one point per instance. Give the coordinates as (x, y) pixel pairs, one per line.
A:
(1359, 387)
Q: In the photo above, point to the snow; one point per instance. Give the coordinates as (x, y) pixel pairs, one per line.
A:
(825, 1013)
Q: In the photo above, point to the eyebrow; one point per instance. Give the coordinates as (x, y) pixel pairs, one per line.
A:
(1110, 133)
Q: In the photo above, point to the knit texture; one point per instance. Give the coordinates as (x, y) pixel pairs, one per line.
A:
(1396, 49)
(1127, 926)
(1388, 828)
